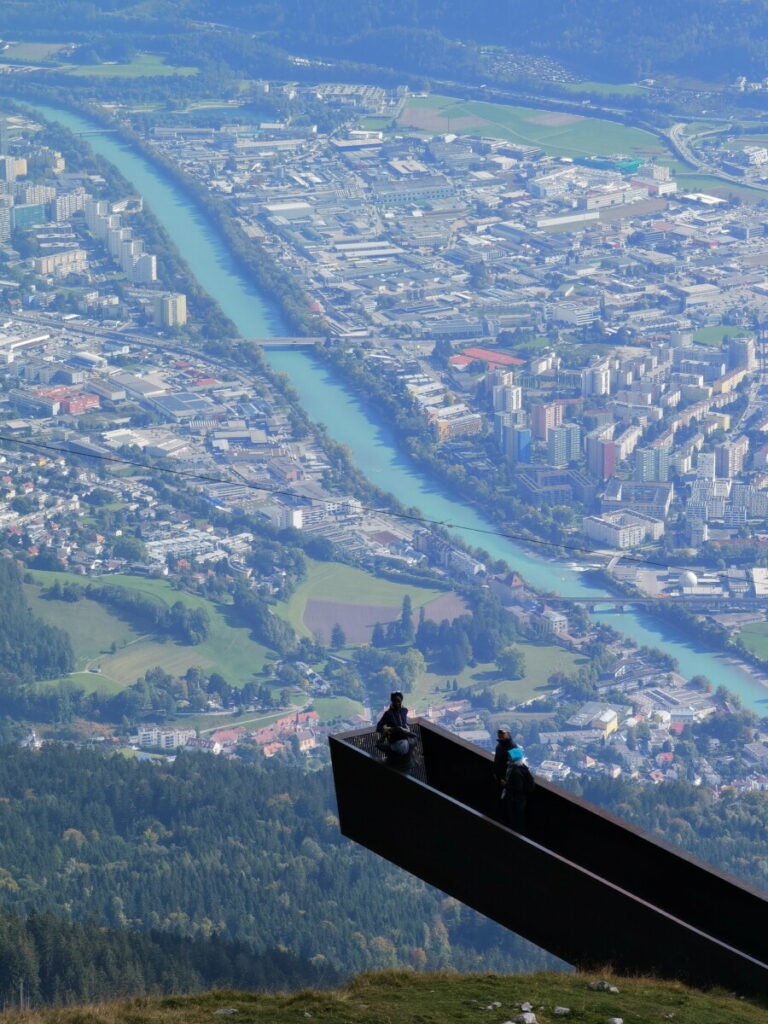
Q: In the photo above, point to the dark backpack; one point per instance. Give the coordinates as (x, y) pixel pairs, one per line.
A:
(520, 782)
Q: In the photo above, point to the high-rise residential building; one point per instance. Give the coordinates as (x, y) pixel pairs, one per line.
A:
(545, 417)
(6, 218)
(564, 444)
(27, 193)
(652, 464)
(742, 354)
(144, 269)
(602, 452)
(596, 379)
(522, 444)
(730, 456)
(506, 398)
(171, 309)
(66, 205)
(706, 465)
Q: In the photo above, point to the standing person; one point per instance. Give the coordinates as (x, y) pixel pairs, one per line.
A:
(519, 786)
(504, 744)
(395, 715)
(397, 745)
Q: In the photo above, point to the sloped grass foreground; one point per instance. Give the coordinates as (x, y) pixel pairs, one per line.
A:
(393, 997)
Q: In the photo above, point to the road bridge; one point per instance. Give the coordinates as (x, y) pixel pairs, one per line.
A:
(306, 342)
(581, 883)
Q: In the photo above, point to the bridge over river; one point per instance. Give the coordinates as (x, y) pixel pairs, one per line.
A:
(287, 342)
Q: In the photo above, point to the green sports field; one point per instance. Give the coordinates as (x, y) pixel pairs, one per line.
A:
(714, 335)
(557, 133)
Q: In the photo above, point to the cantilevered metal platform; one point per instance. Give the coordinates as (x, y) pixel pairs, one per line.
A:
(581, 884)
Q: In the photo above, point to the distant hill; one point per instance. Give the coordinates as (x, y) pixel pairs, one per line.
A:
(437, 999)
(711, 39)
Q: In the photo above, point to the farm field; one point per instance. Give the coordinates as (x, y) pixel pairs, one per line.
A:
(557, 133)
(142, 66)
(229, 649)
(334, 592)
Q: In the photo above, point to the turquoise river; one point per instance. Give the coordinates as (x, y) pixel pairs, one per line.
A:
(371, 442)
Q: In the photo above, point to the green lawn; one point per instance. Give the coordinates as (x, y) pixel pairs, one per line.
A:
(717, 187)
(556, 133)
(145, 65)
(606, 88)
(337, 582)
(88, 682)
(755, 637)
(714, 335)
(540, 663)
(330, 708)
(229, 649)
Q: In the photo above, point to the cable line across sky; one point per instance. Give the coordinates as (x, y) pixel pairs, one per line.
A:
(279, 492)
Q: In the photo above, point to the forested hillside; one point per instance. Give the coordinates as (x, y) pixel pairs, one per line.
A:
(206, 846)
(29, 649)
(45, 959)
(711, 38)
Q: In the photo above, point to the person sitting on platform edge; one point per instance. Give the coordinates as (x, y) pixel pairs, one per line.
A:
(397, 746)
(395, 715)
(504, 744)
(518, 787)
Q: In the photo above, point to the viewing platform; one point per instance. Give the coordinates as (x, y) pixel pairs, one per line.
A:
(582, 884)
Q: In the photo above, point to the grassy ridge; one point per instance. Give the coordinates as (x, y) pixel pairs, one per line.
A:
(408, 998)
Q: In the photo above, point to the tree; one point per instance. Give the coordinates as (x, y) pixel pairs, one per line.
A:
(378, 638)
(511, 662)
(406, 621)
(338, 637)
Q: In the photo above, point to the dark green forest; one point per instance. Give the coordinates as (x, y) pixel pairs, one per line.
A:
(29, 649)
(205, 847)
(710, 39)
(45, 959)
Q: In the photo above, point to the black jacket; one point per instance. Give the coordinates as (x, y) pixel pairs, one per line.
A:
(501, 759)
(519, 782)
(393, 718)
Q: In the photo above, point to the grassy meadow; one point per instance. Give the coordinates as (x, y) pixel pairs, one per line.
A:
(557, 133)
(94, 628)
(409, 997)
(142, 66)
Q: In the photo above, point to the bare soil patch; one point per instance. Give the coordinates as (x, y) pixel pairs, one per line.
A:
(554, 118)
(358, 620)
(427, 120)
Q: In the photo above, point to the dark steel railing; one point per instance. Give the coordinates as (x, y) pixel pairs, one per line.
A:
(581, 883)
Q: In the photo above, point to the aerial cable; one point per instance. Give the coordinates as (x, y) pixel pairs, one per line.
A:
(280, 492)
